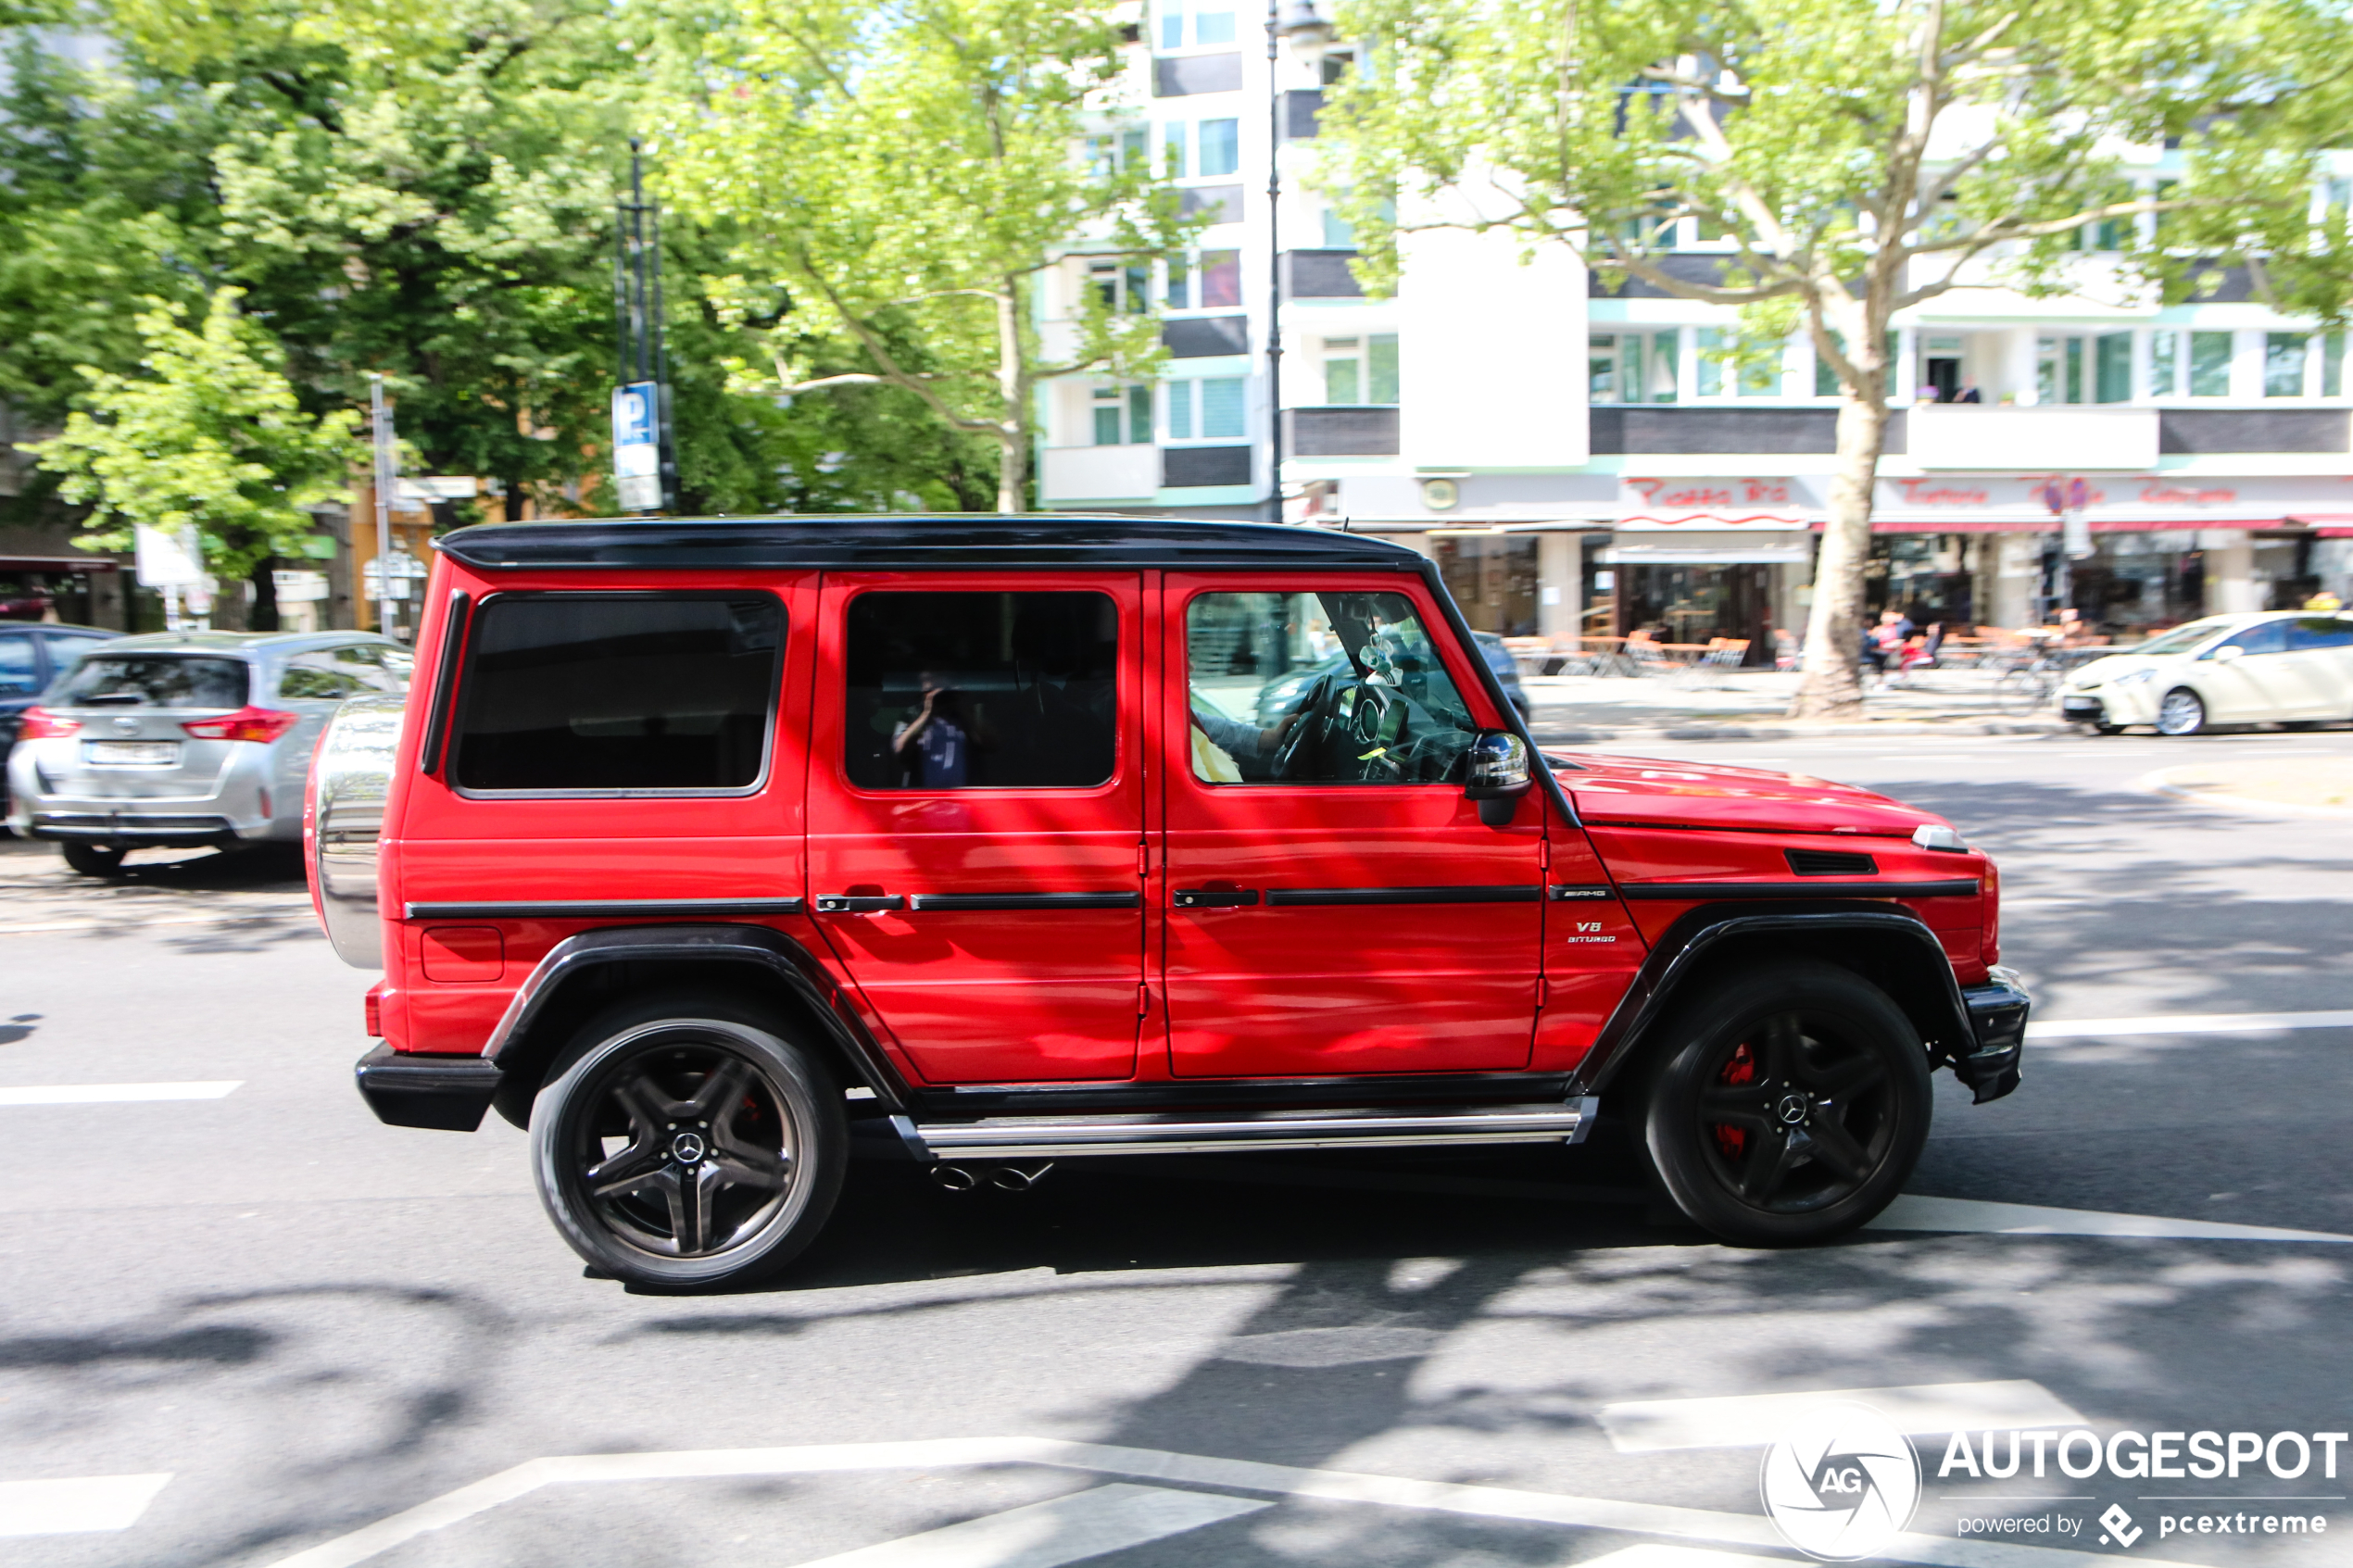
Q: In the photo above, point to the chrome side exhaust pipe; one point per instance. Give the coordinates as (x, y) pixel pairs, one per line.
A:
(955, 1178)
(1013, 1178)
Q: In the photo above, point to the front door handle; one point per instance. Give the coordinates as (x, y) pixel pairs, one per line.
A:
(1213, 897)
(845, 904)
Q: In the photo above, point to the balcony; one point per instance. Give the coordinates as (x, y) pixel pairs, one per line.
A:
(1097, 473)
(2072, 440)
(1365, 432)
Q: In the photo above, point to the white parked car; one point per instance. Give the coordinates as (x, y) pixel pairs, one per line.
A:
(2286, 668)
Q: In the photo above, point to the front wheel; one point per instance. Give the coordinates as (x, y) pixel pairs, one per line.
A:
(1792, 1107)
(684, 1145)
(2181, 713)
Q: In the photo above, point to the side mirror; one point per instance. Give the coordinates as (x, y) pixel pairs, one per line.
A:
(1497, 776)
(2229, 651)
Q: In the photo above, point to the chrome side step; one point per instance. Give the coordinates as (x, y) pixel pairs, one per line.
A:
(1070, 1137)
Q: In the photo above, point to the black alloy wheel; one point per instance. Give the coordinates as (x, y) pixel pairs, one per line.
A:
(688, 1146)
(1792, 1107)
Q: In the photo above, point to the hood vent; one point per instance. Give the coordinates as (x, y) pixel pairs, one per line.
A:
(1830, 862)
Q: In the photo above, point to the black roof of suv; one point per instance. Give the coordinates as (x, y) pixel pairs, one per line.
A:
(967, 541)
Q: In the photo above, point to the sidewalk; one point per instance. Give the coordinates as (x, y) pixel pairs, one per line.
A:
(1749, 704)
(2318, 787)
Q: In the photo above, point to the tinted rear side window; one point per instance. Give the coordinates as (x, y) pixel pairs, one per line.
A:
(981, 691)
(2320, 632)
(154, 680)
(580, 691)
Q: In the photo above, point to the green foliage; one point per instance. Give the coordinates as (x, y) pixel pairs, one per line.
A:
(211, 435)
(909, 173)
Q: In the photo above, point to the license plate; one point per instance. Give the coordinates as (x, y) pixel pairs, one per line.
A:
(132, 753)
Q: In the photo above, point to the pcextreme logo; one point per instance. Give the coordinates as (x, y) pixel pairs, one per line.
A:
(1841, 1483)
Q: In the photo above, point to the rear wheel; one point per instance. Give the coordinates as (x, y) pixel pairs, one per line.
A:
(683, 1145)
(94, 860)
(1792, 1107)
(2181, 713)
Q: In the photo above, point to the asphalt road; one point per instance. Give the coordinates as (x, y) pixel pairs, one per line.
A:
(309, 1322)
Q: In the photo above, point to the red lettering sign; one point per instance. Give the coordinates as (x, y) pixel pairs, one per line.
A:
(1918, 493)
(2165, 495)
(1706, 493)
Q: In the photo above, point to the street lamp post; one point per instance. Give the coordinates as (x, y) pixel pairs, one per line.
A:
(1296, 20)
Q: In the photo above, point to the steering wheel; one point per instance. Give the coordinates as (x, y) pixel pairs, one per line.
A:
(1311, 713)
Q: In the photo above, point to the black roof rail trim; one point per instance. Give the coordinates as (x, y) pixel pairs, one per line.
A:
(968, 542)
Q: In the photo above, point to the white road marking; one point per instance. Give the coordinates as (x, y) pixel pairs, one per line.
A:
(1048, 1535)
(1745, 1421)
(2188, 1024)
(107, 1094)
(76, 1507)
(1963, 1214)
(1145, 1464)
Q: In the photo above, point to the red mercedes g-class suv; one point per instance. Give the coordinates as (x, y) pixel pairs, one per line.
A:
(1022, 839)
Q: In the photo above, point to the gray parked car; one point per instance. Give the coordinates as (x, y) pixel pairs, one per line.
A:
(186, 738)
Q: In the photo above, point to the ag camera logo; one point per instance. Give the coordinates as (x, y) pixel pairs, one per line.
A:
(1842, 1482)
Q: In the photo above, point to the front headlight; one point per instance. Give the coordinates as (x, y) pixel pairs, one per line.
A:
(2137, 677)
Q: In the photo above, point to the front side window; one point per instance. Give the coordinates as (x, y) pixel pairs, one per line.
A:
(1320, 688)
(156, 680)
(980, 691)
(618, 691)
(2264, 636)
(2320, 632)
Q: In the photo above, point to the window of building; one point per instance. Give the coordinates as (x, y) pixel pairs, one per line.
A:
(2284, 363)
(1826, 376)
(1123, 415)
(1332, 688)
(604, 692)
(2332, 364)
(2165, 364)
(1217, 147)
(1186, 24)
(2112, 368)
(1361, 370)
(1718, 378)
(980, 691)
(1111, 151)
(1124, 287)
(2071, 368)
(1338, 234)
(2210, 364)
(1633, 367)
(1213, 282)
(1207, 408)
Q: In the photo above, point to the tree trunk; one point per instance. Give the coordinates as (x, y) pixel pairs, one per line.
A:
(1013, 392)
(1830, 684)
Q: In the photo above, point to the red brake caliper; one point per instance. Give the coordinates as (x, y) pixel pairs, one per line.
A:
(1740, 1069)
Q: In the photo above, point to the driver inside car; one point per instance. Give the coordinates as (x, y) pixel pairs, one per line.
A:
(1218, 740)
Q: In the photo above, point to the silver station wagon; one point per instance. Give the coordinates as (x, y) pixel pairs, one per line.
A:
(186, 738)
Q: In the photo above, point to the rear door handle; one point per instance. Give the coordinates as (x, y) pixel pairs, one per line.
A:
(1213, 897)
(844, 904)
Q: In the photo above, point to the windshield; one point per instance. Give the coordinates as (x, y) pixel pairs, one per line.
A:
(153, 680)
(2182, 638)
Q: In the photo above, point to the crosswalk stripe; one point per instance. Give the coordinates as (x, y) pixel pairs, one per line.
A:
(1745, 1420)
(2188, 1024)
(1454, 1499)
(108, 1094)
(78, 1506)
(1048, 1535)
(1910, 1212)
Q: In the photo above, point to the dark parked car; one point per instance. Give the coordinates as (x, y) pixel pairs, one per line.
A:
(31, 657)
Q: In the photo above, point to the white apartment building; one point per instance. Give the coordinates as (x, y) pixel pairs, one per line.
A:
(1578, 463)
